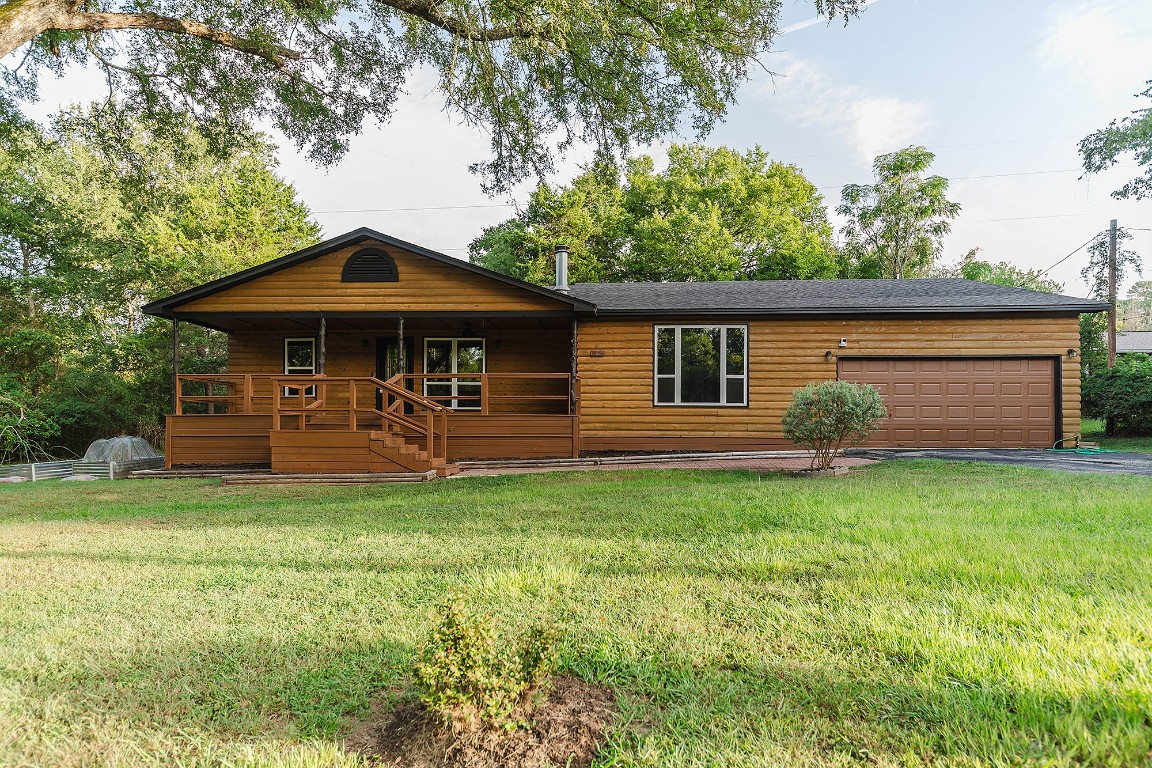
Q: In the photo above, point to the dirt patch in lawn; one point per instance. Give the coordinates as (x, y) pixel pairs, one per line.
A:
(567, 729)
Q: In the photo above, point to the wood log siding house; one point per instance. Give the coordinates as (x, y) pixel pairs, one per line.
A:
(367, 353)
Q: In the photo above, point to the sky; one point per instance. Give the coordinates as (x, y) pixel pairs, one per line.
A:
(1000, 91)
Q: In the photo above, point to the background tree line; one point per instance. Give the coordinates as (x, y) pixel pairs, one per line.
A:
(99, 216)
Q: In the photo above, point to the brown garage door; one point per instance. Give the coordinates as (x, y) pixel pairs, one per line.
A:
(961, 403)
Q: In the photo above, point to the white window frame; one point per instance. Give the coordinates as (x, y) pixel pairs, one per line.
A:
(676, 374)
(455, 376)
(299, 370)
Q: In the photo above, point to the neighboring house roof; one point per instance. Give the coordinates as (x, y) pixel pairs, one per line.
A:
(824, 297)
(1134, 341)
(164, 307)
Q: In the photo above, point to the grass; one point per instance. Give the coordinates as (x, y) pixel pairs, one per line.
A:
(1093, 430)
(918, 613)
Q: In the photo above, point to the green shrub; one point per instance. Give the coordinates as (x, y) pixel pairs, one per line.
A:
(475, 678)
(1122, 396)
(827, 417)
(26, 431)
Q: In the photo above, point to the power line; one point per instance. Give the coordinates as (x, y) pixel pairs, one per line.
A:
(1001, 175)
(1086, 242)
(422, 208)
(941, 146)
(1027, 218)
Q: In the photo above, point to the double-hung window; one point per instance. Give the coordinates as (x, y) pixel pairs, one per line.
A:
(701, 365)
(300, 359)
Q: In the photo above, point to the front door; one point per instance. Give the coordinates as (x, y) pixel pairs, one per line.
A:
(388, 362)
(454, 359)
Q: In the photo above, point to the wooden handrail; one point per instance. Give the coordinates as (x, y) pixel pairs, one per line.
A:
(323, 405)
(484, 397)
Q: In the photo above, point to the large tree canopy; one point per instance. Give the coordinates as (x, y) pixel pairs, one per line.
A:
(93, 227)
(535, 75)
(896, 226)
(712, 214)
(1104, 148)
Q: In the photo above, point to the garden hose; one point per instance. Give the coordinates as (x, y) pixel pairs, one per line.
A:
(1078, 448)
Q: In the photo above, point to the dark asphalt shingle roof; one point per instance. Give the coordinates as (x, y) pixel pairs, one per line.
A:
(918, 296)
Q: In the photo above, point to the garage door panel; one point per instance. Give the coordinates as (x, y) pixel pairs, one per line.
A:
(962, 402)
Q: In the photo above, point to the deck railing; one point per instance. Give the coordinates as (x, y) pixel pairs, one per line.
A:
(316, 402)
(225, 392)
(473, 392)
(246, 393)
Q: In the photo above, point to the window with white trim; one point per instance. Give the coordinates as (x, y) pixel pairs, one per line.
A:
(300, 359)
(454, 358)
(701, 365)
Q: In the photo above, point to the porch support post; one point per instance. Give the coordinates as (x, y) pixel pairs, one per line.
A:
(175, 364)
(572, 381)
(323, 344)
(401, 362)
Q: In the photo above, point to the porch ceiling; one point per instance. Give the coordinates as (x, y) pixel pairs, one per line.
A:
(384, 323)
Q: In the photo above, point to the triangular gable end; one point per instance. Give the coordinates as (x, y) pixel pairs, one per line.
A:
(366, 271)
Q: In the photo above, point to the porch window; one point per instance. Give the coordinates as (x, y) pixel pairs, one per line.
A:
(701, 365)
(454, 359)
(300, 358)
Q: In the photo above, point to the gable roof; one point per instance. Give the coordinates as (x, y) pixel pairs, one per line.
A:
(825, 297)
(165, 307)
(1134, 341)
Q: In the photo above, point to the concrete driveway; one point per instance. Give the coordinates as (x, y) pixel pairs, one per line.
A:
(1120, 463)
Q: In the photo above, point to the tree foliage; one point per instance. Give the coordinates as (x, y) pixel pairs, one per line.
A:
(1122, 396)
(1095, 272)
(534, 76)
(91, 229)
(896, 226)
(971, 267)
(1102, 149)
(1134, 313)
(1093, 344)
(712, 214)
(831, 415)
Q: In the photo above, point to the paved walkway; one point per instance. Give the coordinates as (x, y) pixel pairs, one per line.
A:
(1119, 463)
(751, 464)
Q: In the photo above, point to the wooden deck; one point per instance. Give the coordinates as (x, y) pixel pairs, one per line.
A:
(330, 425)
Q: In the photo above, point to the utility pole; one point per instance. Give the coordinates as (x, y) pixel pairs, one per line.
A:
(1112, 294)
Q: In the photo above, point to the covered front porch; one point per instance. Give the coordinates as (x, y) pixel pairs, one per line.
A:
(337, 392)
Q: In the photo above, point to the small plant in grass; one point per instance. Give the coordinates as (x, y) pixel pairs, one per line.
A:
(827, 417)
(474, 677)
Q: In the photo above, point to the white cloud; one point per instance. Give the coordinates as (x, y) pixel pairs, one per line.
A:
(871, 122)
(1106, 44)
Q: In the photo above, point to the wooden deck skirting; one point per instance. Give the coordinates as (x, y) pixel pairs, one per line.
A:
(207, 439)
(224, 439)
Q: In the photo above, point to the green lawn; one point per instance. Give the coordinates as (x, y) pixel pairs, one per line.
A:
(1093, 430)
(917, 613)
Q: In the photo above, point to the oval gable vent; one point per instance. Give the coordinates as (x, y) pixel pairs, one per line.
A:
(370, 266)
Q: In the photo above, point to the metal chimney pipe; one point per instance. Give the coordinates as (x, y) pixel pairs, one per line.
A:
(562, 268)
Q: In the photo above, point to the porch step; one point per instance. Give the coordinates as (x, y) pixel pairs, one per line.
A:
(362, 478)
(624, 460)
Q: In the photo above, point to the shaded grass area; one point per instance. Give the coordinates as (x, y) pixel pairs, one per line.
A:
(1093, 430)
(916, 613)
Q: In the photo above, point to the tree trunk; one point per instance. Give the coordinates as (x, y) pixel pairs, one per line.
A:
(26, 269)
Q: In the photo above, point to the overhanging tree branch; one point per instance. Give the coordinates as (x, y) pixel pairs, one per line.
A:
(23, 20)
